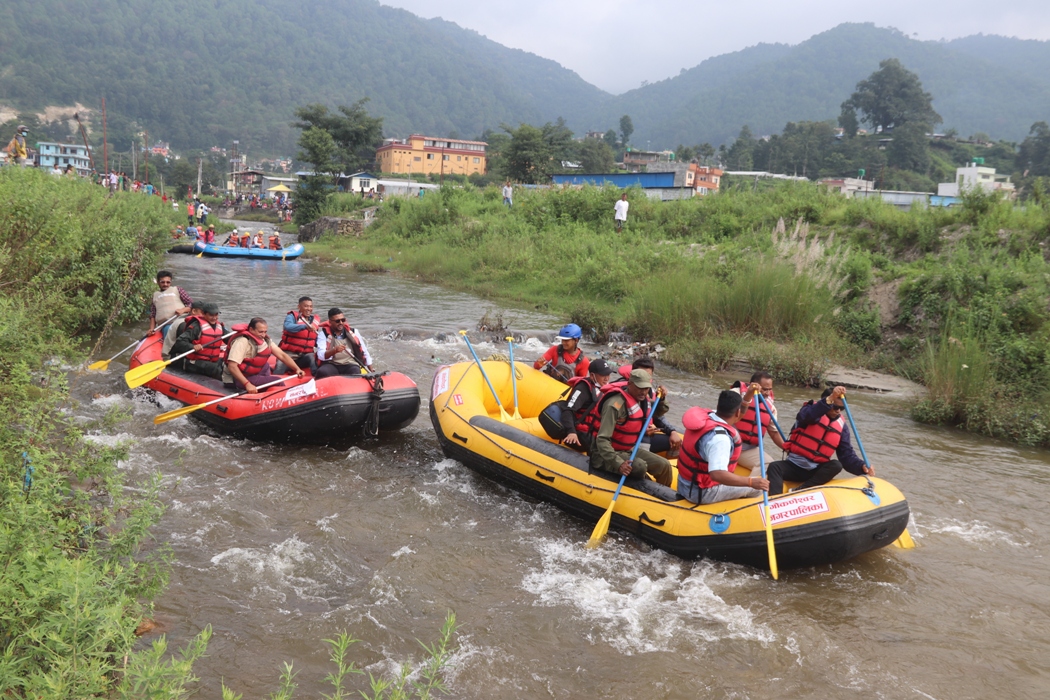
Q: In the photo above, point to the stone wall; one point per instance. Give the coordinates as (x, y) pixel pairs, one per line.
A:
(335, 226)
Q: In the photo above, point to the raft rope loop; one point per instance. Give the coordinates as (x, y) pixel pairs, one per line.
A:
(371, 426)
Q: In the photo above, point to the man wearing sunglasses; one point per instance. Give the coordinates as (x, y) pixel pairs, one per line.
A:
(819, 436)
(340, 348)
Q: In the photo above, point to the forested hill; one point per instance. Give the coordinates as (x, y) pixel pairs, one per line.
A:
(988, 84)
(199, 73)
(204, 72)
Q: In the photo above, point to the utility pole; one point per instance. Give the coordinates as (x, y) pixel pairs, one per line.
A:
(145, 137)
(105, 145)
(234, 162)
(200, 163)
(83, 135)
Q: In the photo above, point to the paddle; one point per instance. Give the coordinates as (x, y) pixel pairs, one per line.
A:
(504, 416)
(765, 494)
(186, 410)
(904, 541)
(104, 364)
(513, 377)
(146, 373)
(772, 417)
(602, 528)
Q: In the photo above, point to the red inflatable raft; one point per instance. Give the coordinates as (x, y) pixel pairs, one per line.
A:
(333, 409)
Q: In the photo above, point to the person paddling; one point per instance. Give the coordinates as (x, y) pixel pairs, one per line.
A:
(565, 359)
(247, 359)
(622, 411)
(203, 335)
(299, 336)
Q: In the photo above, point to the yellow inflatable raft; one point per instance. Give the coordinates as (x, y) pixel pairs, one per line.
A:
(821, 525)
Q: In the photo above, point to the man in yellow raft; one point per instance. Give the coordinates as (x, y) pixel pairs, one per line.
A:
(710, 450)
(623, 409)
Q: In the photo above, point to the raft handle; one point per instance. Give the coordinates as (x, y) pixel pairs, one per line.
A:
(220, 408)
(173, 389)
(645, 517)
(460, 438)
(881, 535)
(540, 474)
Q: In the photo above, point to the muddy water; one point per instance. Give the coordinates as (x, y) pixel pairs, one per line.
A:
(279, 547)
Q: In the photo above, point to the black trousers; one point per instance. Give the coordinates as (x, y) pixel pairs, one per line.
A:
(778, 472)
(208, 369)
(330, 369)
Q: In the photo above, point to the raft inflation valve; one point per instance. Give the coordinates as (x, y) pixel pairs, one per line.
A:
(719, 523)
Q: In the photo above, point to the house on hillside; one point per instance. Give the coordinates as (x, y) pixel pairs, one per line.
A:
(53, 154)
(635, 160)
(847, 186)
(431, 155)
(977, 175)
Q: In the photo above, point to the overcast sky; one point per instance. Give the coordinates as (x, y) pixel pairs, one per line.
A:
(616, 44)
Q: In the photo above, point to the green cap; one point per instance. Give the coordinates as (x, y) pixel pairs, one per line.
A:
(208, 307)
(641, 379)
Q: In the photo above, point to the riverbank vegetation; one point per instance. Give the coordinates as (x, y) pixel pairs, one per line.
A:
(77, 568)
(789, 276)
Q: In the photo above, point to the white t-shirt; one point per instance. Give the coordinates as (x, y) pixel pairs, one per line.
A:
(508, 192)
(621, 210)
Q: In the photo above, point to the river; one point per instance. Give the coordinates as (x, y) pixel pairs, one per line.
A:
(281, 546)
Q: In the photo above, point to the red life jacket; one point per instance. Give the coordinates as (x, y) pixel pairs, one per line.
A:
(818, 441)
(691, 466)
(624, 371)
(746, 425)
(300, 342)
(209, 333)
(595, 391)
(261, 359)
(625, 434)
(245, 240)
(355, 346)
(209, 236)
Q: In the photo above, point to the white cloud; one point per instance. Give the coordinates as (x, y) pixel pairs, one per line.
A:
(616, 44)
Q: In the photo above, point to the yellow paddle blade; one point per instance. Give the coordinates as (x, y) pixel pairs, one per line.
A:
(602, 528)
(517, 415)
(769, 545)
(101, 364)
(503, 415)
(177, 413)
(905, 541)
(200, 254)
(144, 373)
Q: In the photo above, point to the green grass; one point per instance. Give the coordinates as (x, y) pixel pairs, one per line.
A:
(708, 275)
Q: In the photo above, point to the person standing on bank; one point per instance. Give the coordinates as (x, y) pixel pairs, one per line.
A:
(819, 435)
(203, 335)
(622, 411)
(299, 337)
(16, 147)
(620, 211)
(761, 383)
(340, 348)
(247, 359)
(584, 392)
(508, 194)
(168, 301)
(709, 454)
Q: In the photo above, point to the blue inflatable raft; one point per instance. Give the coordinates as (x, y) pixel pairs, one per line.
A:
(224, 251)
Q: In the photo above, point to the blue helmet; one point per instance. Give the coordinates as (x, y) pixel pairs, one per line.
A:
(569, 332)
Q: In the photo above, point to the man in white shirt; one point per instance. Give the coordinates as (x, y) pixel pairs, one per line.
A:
(621, 212)
(508, 194)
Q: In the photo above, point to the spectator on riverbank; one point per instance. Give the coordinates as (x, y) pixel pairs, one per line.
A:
(620, 211)
(508, 194)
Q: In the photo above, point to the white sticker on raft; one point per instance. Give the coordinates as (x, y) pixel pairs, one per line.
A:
(781, 510)
(440, 383)
(307, 389)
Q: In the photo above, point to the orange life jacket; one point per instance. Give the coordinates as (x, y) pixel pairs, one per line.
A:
(209, 353)
(275, 242)
(262, 358)
(302, 341)
(818, 441)
(691, 466)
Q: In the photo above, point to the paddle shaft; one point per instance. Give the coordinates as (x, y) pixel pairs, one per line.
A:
(637, 444)
(759, 401)
(772, 417)
(139, 340)
(853, 427)
(478, 361)
(513, 376)
(179, 412)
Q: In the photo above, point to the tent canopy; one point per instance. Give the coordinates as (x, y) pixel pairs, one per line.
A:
(280, 187)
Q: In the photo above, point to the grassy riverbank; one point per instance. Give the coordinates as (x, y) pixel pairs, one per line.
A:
(791, 277)
(77, 572)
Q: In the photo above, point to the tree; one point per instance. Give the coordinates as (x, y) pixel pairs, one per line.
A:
(596, 156)
(355, 135)
(626, 129)
(889, 98)
(312, 192)
(910, 148)
(705, 152)
(611, 139)
(560, 143)
(740, 155)
(685, 154)
(527, 157)
(1033, 156)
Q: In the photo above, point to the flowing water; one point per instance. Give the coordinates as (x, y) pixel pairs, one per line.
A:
(281, 546)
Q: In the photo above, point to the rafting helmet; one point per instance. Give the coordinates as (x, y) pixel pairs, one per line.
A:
(569, 332)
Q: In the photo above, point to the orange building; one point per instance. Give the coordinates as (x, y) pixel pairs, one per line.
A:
(432, 156)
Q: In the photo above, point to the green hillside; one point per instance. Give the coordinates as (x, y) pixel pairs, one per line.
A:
(994, 85)
(205, 72)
